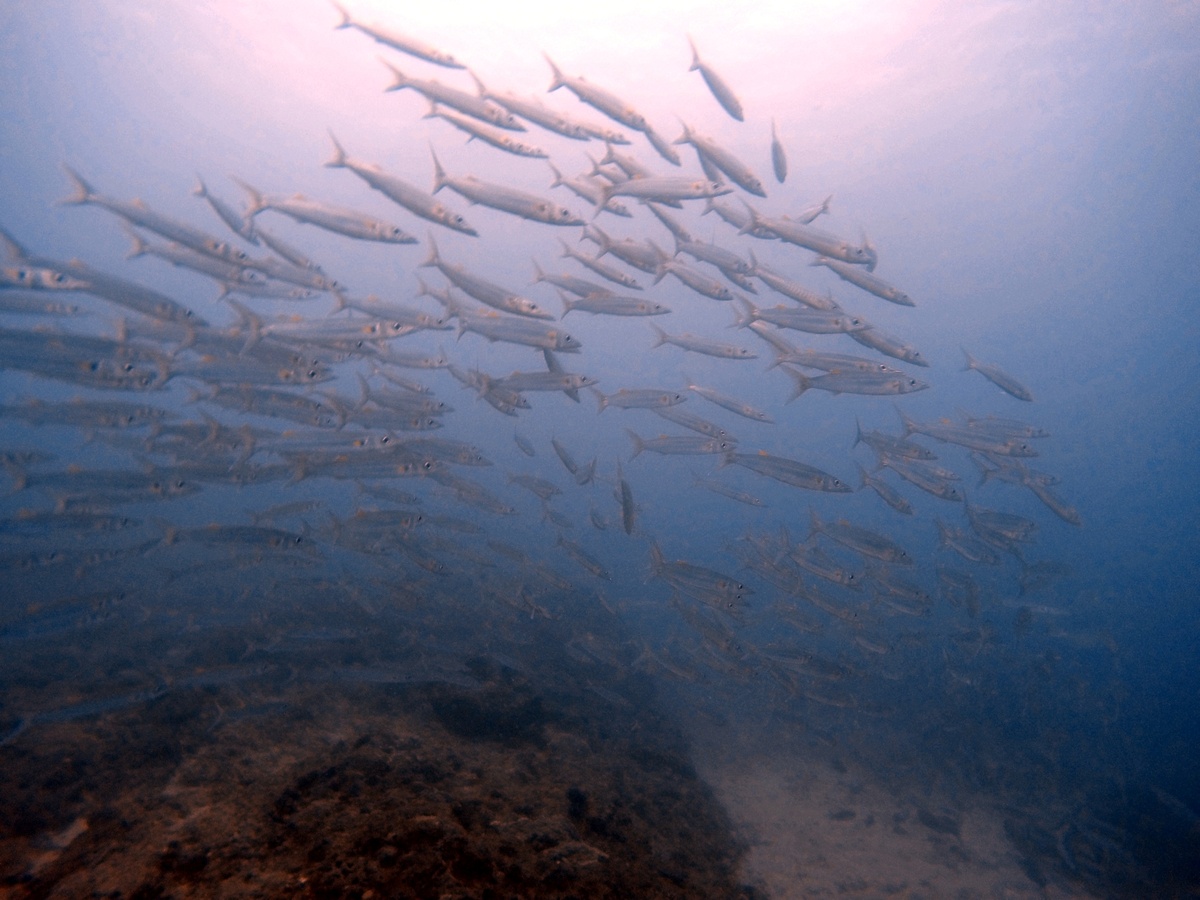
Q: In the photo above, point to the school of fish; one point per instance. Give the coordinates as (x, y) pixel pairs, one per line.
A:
(371, 450)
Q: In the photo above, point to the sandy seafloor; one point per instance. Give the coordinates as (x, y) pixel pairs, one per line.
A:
(339, 762)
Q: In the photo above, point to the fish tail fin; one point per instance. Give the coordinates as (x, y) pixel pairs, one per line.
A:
(400, 79)
(686, 137)
(662, 336)
(909, 424)
(638, 444)
(433, 114)
(84, 192)
(257, 201)
(139, 247)
(803, 383)
(600, 399)
(13, 250)
(814, 523)
(658, 562)
(858, 435)
(695, 56)
(750, 314)
(538, 275)
(338, 160)
(557, 79)
(568, 305)
(431, 260)
(439, 174)
(753, 262)
(479, 88)
(566, 249)
(346, 20)
(971, 362)
(339, 299)
(558, 178)
(200, 190)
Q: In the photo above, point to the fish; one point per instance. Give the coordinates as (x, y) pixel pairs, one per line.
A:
(857, 276)
(867, 542)
(397, 41)
(677, 445)
(697, 344)
(723, 161)
(477, 130)
(789, 471)
(470, 104)
(624, 497)
(338, 219)
(482, 289)
(613, 305)
(720, 90)
(597, 98)
(399, 191)
(778, 156)
(875, 383)
(663, 188)
(998, 377)
(504, 198)
(730, 403)
(638, 398)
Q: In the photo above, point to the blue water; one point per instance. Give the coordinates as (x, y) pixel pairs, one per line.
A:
(1026, 172)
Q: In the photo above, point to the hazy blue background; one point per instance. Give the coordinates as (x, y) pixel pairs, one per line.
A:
(1027, 172)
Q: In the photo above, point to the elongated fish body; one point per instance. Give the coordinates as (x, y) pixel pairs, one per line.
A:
(730, 403)
(598, 98)
(137, 213)
(865, 541)
(872, 383)
(720, 90)
(397, 41)
(816, 359)
(504, 198)
(664, 188)
(488, 135)
(789, 288)
(608, 304)
(237, 223)
(624, 497)
(697, 344)
(338, 219)
(725, 260)
(185, 257)
(695, 279)
(859, 277)
(665, 150)
(739, 217)
(287, 251)
(580, 287)
(45, 278)
(470, 104)
(696, 423)
(739, 173)
(516, 330)
(778, 156)
(812, 239)
(483, 290)
(789, 471)
(536, 112)
(544, 381)
(924, 475)
(677, 445)
(889, 346)
(602, 268)
(891, 445)
(588, 189)
(583, 558)
(1000, 378)
(886, 492)
(638, 398)
(623, 161)
(644, 254)
(811, 321)
(409, 196)
(970, 438)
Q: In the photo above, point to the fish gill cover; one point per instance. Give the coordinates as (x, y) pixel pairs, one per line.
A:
(761, 402)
